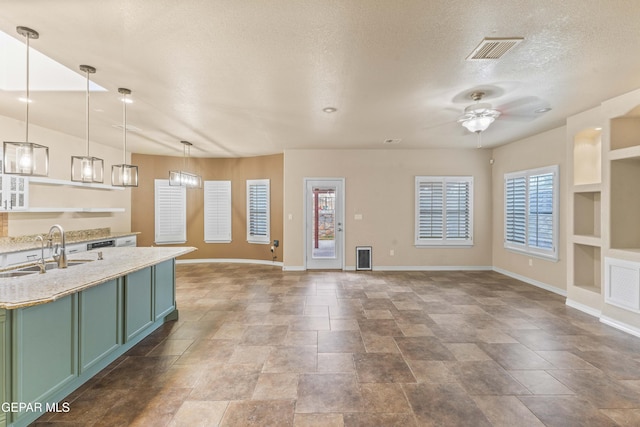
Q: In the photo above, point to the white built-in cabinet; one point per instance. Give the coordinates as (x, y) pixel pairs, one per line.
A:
(603, 226)
(14, 193)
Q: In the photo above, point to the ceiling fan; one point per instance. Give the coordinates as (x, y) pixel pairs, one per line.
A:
(479, 116)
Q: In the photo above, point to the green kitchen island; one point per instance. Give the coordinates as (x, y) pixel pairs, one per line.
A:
(60, 328)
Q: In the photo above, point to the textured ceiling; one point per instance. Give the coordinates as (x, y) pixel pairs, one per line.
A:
(243, 78)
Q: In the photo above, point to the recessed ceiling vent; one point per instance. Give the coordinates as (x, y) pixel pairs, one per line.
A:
(392, 141)
(494, 48)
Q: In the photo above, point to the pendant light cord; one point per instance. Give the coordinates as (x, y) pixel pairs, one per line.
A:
(87, 113)
(28, 94)
(124, 128)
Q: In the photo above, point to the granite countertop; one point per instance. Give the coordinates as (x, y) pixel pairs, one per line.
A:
(25, 243)
(34, 289)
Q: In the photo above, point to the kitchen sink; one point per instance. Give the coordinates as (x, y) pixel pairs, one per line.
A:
(6, 274)
(23, 271)
(52, 265)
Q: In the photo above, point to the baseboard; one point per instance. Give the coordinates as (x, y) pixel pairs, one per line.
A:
(624, 327)
(229, 260)
(432, 268)
(583, 308)
(530, 281)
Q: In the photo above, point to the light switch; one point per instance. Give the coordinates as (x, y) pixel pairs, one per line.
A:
(290, 217)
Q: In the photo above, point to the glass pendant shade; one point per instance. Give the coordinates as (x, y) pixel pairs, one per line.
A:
(478, 124)
(87, 168)
(185, 179)
(25, 158)
(182, 178)
(124, 175)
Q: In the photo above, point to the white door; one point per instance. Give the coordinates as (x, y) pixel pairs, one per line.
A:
(324, 206)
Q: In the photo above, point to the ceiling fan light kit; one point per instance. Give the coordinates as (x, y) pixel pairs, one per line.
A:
(479, 116)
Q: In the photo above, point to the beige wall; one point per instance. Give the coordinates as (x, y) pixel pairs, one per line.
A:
(61, 148)
(380, 185)
(541, 150)
(238, 171)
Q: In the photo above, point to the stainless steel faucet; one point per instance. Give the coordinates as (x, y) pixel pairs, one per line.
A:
(41, 264)
(59, 251)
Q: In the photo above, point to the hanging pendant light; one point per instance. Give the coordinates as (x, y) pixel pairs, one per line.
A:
(26, 158)
(124, 175)
(87, 168)
(183, 178)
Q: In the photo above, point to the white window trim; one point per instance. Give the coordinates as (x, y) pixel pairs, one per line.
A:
(444, 242)
(217, 230)
(549, 254)
(259, 239)
(181, 198)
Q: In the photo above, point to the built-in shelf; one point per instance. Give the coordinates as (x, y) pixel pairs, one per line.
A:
(625, 153)
(586, 213)
(587, 267)
(587, 240)
(52, 181)
(587, 188)
(87, 210)
(625, 132)
(625, 203)
(587, 156)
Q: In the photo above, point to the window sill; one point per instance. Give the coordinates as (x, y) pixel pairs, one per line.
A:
(552, 258)
(443, 246)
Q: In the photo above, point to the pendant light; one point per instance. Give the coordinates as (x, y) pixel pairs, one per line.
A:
(87, 168)
(26, 158)
(183, 178)
(124, 175)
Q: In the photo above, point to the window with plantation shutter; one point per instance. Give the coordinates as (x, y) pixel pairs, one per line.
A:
(444, 211)
(258, 215)
(531, 211)
(170, 213)
(217, 211)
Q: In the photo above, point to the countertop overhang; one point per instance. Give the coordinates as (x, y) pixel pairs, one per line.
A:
(34, 289)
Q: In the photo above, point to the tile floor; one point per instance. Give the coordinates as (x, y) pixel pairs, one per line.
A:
(258, 346)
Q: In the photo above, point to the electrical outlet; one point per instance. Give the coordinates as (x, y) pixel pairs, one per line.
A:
(530, 262)
(392, 252)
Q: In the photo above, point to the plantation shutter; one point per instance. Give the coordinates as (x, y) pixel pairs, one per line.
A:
(531, 217)
(444, 214)
(217, 211)
(258, 211)
(170, 213)
(540, 232)
(516, 209)
(430, 215)
(458, 210)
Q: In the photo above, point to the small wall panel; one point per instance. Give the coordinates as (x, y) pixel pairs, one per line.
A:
(622, 284)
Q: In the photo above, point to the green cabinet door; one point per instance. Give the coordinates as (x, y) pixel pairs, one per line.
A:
(165, 288)
(45, 348)
(100, 315)
(4, 346)
(138, 302)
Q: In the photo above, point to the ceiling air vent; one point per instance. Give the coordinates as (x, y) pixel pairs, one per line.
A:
(392, 141)
(493, 48)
